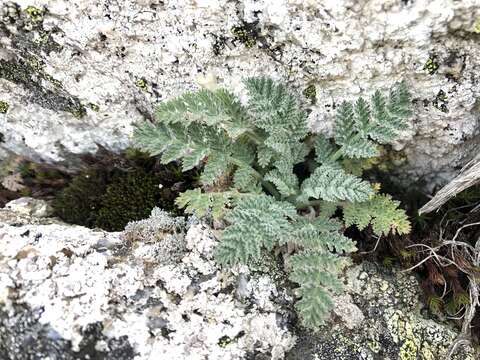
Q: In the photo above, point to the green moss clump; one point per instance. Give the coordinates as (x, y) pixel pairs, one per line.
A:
(117, 189)
(3, 107)
(131, 198)
(80, 201)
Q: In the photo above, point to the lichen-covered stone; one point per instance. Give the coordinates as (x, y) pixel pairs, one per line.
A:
(104, 295)
(126, 56)
(384, 321)
(155, 291)
(30, 206)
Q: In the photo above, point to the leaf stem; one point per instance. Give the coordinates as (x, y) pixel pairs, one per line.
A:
(306, 204)
(251, 135)
(336, 155)
(266, 184)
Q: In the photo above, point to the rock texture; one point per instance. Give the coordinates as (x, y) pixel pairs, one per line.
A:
(147, 293)
(154, 291)
(74, 74)
(380, 317)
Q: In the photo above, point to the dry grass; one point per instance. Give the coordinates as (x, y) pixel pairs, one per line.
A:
(469, 176)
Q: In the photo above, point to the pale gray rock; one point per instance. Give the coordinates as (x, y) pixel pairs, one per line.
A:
(77, 74)
(30, 206)
(380, 316)
(70, 293)
(125, 301)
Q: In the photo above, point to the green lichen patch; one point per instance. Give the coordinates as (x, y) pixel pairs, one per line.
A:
(29, 74)
(141, 84)
(35, 14)
(31, 42)
(94, 107)
(246, 33)
(3, 107)
(393, 327)
(431, 65)
(476, 26)
(441, 101)
(310, 92)
(29, 36)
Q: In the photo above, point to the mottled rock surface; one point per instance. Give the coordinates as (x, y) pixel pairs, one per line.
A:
(380, 317)
(154, 291)
(68, 291)
(77, 73)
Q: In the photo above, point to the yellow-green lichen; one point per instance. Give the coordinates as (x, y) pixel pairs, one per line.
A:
(3, 107)
(421, 338)
(224, 341)
(35, 14)
(310, 92)
(246, 34)
(94, 107)
(78, 112)
(476, 26)
(29, 73)
(431, 65)
(374, 345)
(142, 84)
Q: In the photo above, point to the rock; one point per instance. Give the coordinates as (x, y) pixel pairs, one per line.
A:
(380, 317)
(68, 291)
(77, 74)
(30, 206)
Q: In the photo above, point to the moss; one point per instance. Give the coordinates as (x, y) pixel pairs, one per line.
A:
(80, 202)
(131, 198)
(3, 107)
(117, 189)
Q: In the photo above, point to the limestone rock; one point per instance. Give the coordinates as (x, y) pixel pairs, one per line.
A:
(69, 293)
(30, 206)
(75, 291)
(77, 74)
(384, 320)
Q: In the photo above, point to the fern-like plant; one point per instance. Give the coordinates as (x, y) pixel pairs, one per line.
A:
(249, 155)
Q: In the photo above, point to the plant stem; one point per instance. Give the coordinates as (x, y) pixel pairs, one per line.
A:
(271, 189)
(267, 185)
(308, 203)
(254, 137)
(339, 152)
